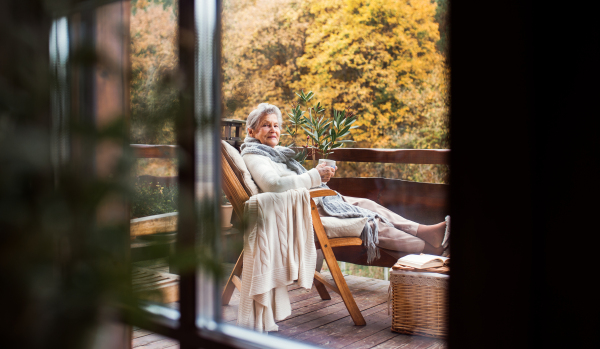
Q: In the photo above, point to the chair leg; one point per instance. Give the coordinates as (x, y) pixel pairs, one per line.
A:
(340, 282)
(322, 290)
(319, 285)
(320, 259)
(230, 286)
(336, 273)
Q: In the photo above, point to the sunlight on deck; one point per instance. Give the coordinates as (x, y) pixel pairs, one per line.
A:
(325, 323)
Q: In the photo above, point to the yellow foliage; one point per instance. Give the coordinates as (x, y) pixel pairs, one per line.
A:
(376, 57)
(153, 46)
(261, 42)
(153, 30)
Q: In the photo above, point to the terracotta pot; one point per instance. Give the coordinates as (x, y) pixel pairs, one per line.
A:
(226, 211)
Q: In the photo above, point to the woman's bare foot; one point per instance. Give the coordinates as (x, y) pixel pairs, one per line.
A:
(428, 249)
(432, 234)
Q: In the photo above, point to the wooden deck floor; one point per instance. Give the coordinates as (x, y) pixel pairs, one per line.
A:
(325, 323)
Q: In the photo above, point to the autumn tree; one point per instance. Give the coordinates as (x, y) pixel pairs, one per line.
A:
(154, 99)
(261, 42)
(381, 59)
(376, 57)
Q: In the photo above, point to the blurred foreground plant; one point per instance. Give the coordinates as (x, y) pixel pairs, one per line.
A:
(64, 232)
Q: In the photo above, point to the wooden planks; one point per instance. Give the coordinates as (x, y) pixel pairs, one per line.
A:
(326, 314)
(326, 323)
(156, 286)
(154, 341)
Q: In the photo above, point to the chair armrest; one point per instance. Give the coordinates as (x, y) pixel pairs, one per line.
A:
(316, 193)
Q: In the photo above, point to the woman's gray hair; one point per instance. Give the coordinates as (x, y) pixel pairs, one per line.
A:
(260, 111)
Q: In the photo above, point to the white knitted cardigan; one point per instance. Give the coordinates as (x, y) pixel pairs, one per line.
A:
(271, 176)
(278, 249)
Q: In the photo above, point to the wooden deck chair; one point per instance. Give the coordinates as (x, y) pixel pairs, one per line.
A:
(238, 192)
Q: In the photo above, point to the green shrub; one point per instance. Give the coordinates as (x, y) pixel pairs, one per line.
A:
(151, 199)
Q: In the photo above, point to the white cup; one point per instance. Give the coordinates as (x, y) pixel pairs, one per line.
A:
(327, 162)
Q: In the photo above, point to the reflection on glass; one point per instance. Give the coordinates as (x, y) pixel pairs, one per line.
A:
(207, 169)
(59, 55)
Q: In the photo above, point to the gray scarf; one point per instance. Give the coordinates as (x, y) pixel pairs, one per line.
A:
(333, 205)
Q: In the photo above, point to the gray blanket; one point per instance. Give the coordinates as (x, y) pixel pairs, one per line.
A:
(333, 205)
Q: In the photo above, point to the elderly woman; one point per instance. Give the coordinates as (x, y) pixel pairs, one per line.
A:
(274, 170)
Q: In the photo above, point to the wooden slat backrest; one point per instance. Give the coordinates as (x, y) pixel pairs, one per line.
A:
(232, 186)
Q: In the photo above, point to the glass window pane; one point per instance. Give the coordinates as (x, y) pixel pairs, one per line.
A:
(380, 68)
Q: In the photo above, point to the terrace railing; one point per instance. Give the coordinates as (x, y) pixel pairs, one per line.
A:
(425, 203)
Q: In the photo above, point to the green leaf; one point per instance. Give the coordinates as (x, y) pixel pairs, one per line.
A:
(307, 130)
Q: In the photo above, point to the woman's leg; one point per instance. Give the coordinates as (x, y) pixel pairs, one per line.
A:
(398, 221)
(432, 234)
(395, 239)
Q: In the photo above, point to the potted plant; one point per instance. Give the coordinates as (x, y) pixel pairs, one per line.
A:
(324, 134)
(226, 211)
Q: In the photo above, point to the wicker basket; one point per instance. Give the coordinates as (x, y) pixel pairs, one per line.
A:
(419, 303)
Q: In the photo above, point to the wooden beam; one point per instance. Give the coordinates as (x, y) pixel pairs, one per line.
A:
(393, 156)
(229, 286)
(335, 242)
(321, 290)
(233, 189)
(315, 193)
(161, 223)
(237, 282)
(322, 280)
(336, 273)
(154, 151)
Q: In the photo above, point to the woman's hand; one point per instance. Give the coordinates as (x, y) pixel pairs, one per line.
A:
(326, 172)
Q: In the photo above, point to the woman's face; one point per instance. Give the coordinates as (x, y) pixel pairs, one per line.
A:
(267, 130)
